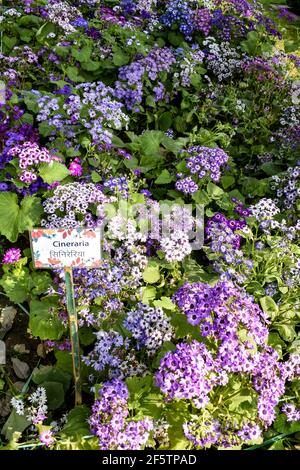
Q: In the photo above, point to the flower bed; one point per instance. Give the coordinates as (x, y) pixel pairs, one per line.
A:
(147, 119)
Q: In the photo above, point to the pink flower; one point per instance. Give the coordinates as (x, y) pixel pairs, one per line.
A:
(12, 256)
(46, 437)
(75, 169)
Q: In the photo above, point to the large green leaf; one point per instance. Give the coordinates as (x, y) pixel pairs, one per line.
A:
(269, 306)
(77, 424)
(15, 219)
(51, 374)
(151, 274)
(43, 322)
(55, 394)
(14, 423)
(52, 172)
(164, 178)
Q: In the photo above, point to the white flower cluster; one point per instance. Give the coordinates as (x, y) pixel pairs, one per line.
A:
(62, 14)
(222, 59)
(124, 229)
(12, 12)
(70, 206)
(265, 209)
(176, 247)
(36, 410)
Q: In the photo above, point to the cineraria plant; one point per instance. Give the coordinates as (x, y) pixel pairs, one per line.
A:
(173, 128)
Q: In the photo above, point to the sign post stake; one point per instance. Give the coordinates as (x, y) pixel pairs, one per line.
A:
(66, 248)
(71, 308)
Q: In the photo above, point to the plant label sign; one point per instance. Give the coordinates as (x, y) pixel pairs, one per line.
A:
(66, 248)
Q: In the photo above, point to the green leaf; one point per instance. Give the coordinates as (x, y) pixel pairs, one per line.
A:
(175, 38)
(15, 283)
(77, 424)
(52, 172)
(165, 121)
(150, 142)
(31, 102)
(73, 74)
(14, 423)
(120, 59)
(95, 177)
(151, 274)
(165, 302)
(269, 306)
(86, 336)
(214, 191)
(245, 395)
(64, 361)
(15, 219)
(55, 394)
(82, 55)
(164, 178)
(43, 322)
(148, 294)
(287, 332)
(227, 181)
(201, 197)
(44, 30)
(44, 129)
(40, 282)
(51, 374)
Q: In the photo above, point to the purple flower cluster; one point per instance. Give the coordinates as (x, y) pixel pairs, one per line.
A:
(118, 185)
(224, 242)
(106, 351)
(291, 412)
(149, 326)
(201, 162)
(109, 420)
(203, 20)
(187, 373)
(179, 12)
(93, 107)
(205, 431)
(101, 292)
(186, 185)
(287, 187)
(30, 156)
(230, 317)
(134, 77)
(221, 311)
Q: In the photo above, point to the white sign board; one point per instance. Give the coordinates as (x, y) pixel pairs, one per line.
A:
(60, 248)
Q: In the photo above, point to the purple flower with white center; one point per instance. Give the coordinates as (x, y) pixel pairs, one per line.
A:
(149, 326)
(107, 351)
(109, 420)
(185, 373)
(205, 161)
(72, 205)
(187, 185)
(291, 412)
(11, 256)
